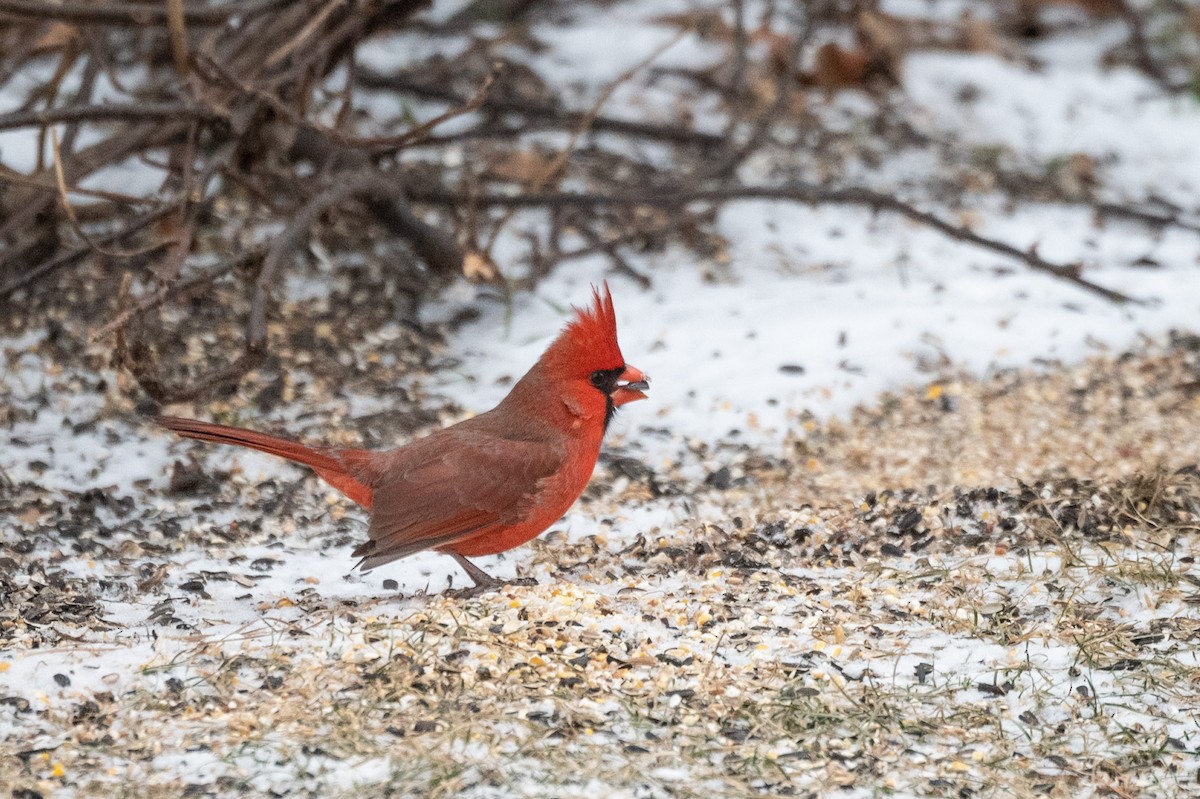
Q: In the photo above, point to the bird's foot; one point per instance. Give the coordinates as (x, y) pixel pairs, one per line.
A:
(484, 582)
(487, 587)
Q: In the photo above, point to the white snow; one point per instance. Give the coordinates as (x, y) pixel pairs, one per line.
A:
(851, 303)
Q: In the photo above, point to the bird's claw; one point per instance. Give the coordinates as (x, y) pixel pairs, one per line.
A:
(481, 588)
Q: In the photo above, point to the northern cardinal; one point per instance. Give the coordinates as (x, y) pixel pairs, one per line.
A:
(489, 483)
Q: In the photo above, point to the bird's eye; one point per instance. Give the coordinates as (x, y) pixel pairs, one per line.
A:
(606, 379)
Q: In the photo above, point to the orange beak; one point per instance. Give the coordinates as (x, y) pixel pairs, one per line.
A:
(633, 382)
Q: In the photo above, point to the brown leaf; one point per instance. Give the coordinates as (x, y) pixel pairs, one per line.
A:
(883, 35)
(707, 24)
(1097, 8)
(780, 49)
(836, 68)
(478, 266)
(526, 167)
(58, 36)
(979, 35)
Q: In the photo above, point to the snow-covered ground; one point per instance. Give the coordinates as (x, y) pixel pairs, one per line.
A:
(816, 310)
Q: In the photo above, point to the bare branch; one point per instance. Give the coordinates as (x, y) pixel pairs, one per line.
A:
(546, 113)
(76, 255)
(167, 290)
(177, 33)
(385, 144)
(796, 192)
(104, 112)
(69, 210)
(129, 14)
(1143, 57)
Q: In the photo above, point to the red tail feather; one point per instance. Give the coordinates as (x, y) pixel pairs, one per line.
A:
(334, 466)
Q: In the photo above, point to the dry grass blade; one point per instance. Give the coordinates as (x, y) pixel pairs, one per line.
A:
(385, 144)
(10, 176)
(128, 14)
(304, 34)
(73, 219)
(177, 33)
(105, 112)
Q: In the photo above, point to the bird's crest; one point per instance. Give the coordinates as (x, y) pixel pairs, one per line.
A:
(590, 339)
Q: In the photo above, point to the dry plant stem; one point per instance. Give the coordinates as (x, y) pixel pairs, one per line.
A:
(69, 210)
(549, 114)
(1150, 218)
(387, 144)
(554, 170)
(9, 176)
(134, 15)
(104, 112)
(83, 96)
(1145, 59)
(68, 258)
(609, 248)
(378, 145)
(305, 33)
(165, 291)
(385, 195)
(796, 192)
(177, 34)
(107, 151)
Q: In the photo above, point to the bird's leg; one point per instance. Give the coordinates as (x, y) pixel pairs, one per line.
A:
(483, 581)
(478, 576)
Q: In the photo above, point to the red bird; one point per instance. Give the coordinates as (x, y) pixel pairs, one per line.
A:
(489, 483)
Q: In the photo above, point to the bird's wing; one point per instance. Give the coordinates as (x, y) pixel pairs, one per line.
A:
(452, 485)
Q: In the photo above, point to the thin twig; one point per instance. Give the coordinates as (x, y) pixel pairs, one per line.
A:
(84, 94)
(168, 290)
(104, 112)
(1146, 217)
(130, 14)
(68, 258)
(177, 34)
(609, 248)
(7, 175)
(380, 145)
(305, 33)
(554, 170)
(69, 210)
(796, 192)
(550, 114)
(1140, 43)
